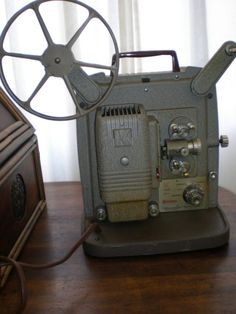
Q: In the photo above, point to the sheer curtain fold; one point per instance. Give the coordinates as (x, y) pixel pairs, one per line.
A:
(194, 28)
(199, 38)
(129, 33)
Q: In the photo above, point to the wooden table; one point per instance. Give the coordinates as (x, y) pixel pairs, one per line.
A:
(197, 282)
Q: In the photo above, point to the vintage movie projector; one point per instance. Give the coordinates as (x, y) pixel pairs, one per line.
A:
(148, 144)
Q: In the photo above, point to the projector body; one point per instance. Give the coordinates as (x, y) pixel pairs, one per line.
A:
(149, 166)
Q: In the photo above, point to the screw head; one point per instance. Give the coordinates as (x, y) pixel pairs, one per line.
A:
(57, 60)
(184, 151)
(153, 209)
(213, 175)
(101, 214)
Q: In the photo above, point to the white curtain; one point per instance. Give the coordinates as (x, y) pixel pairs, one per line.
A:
(194, 28)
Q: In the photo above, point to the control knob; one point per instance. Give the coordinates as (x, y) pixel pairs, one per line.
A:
(224, 141)
(193, 195)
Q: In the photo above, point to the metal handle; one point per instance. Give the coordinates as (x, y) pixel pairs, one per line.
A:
(151, 53)
(214, 69)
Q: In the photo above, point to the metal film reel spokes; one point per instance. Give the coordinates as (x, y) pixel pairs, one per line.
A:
(59, 61)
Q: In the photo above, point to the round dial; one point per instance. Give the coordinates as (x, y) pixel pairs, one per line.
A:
(193, 195)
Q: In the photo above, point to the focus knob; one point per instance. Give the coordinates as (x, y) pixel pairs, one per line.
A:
(193, 195)
(224, 141)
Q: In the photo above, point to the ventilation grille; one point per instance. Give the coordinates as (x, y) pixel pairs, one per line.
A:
(122, 110)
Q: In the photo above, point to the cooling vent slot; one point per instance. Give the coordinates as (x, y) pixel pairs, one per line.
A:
(122, 110)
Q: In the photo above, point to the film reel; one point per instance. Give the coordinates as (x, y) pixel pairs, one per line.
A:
(58, 60)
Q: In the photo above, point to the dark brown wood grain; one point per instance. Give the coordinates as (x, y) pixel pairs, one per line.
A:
(25, 163)
(9, 113)
(197, 282)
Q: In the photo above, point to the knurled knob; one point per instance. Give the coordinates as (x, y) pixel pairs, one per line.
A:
(224, 141)
(193, 195)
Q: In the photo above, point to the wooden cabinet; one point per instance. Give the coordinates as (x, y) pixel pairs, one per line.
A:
(22, 197)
